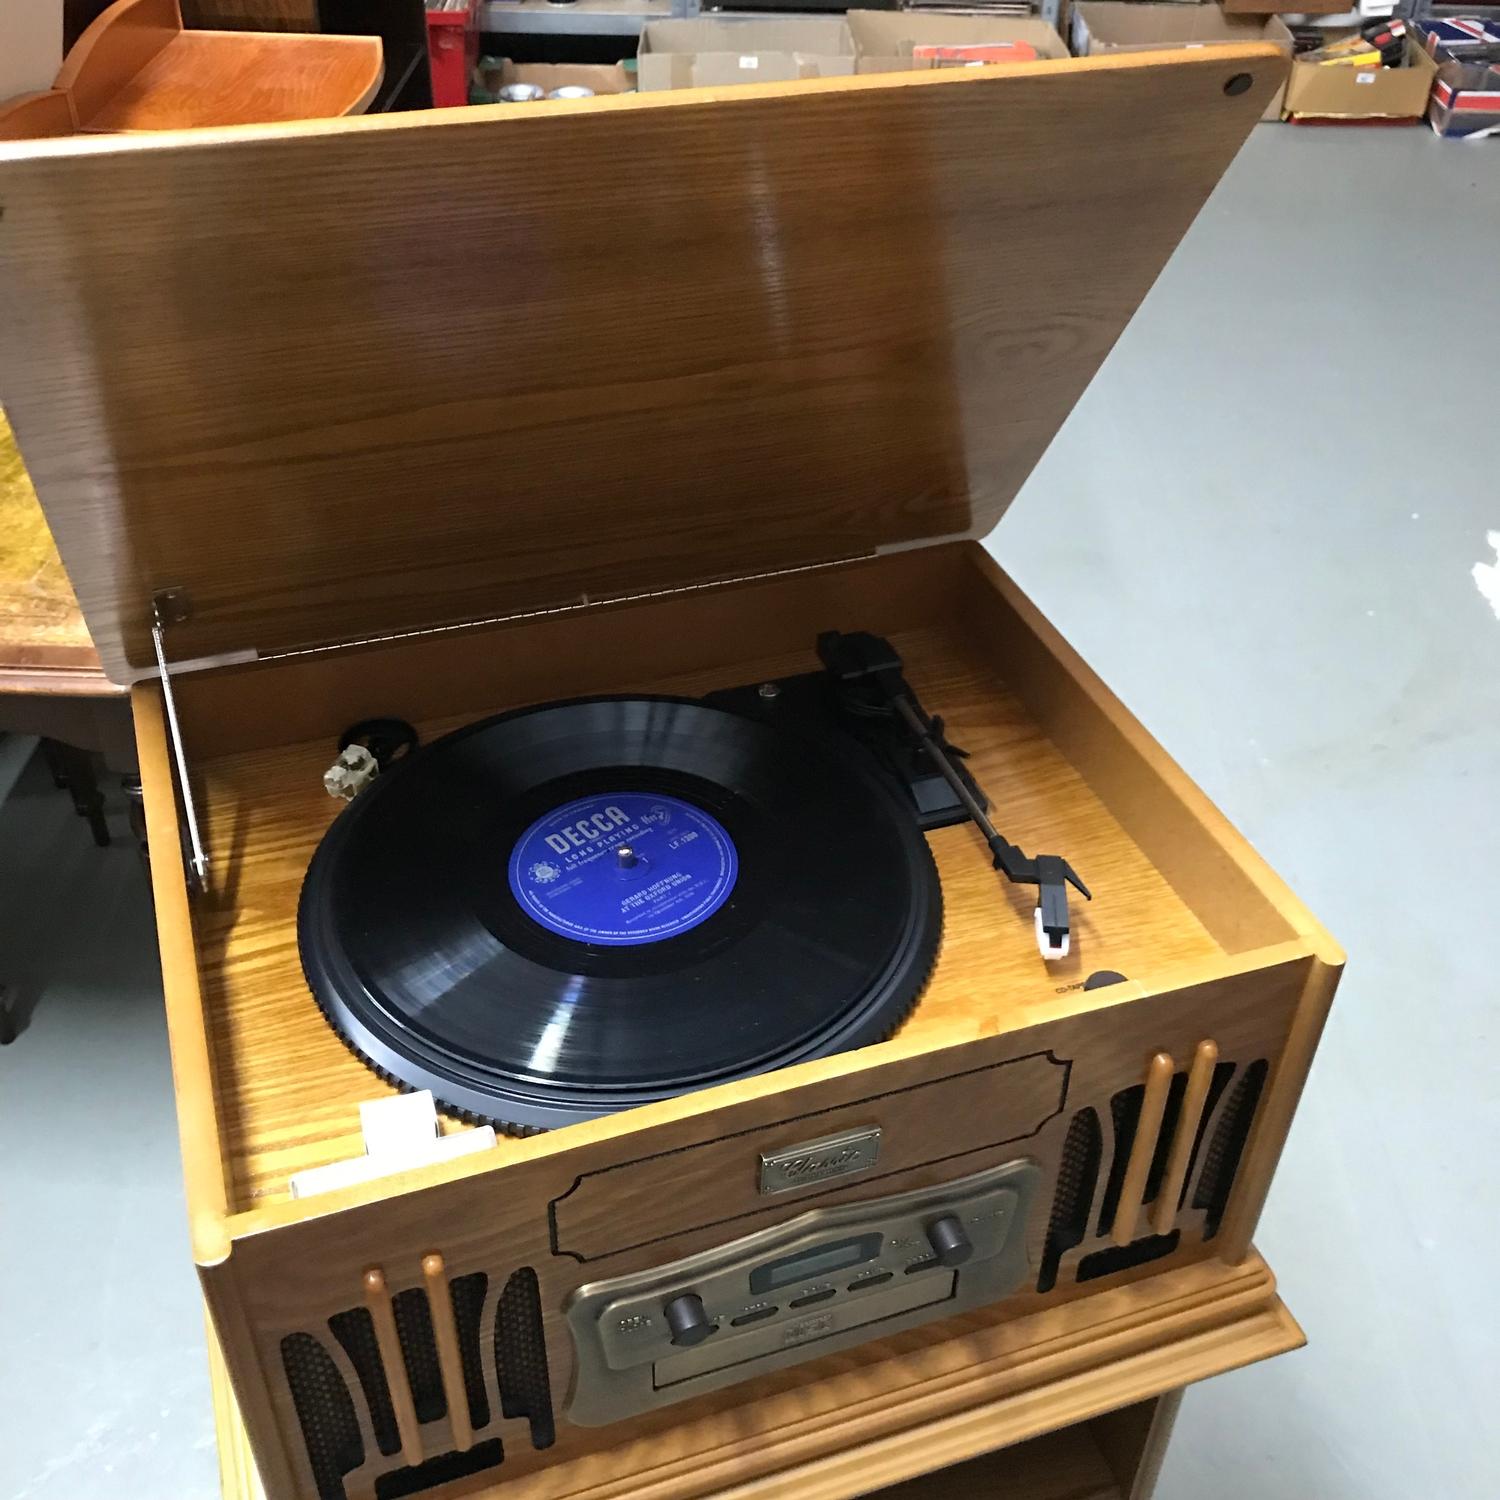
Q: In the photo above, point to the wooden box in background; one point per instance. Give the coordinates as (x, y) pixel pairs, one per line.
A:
(401, 26)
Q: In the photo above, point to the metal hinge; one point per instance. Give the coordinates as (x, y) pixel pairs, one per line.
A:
(171, 607)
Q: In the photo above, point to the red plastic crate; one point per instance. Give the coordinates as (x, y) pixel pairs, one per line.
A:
(452, 48)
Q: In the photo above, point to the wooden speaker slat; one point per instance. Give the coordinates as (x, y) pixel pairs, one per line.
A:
(1195, 1096)
(1143, 1148)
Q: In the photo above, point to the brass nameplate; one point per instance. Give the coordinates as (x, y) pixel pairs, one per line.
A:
(816, 1161)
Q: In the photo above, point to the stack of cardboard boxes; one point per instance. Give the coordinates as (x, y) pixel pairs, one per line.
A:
(712, 51)
(1449, 70)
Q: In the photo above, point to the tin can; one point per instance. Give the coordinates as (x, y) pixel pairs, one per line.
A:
(521, 93)
(571, 91)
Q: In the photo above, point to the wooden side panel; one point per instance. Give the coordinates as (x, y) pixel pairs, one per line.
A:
(119, 43)
(1236, 894)
(35, 117)
(849, 314)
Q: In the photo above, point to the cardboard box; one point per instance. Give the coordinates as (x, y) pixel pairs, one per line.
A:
(1461, 34)
(1301, 8)
(1316, 92)
(1100, 26)
(1465, 99)
(889, 41)
(707, 52)
(603, 78)
(1466, 92)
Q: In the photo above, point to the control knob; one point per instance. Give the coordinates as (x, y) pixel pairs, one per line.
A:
(949, 1242)
(688, 1322)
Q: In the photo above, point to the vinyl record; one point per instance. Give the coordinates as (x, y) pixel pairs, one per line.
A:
(588, 905)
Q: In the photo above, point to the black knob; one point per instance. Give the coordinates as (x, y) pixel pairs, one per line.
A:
(686, 1319)
(949, 1242)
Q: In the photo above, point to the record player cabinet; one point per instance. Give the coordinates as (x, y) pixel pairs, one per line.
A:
(678, 432)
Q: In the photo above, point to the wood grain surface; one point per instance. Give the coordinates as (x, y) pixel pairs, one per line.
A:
(848, 314)
(287, 1090)
(252, 15)
(117, 44)
(136, 69)
(206, 78)
(35, 117)
(44, 643)
(295, 1088)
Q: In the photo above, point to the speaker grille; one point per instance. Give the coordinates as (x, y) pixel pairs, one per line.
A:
(468, 1293)
(1169, 1117)
(1223, 1072)
(1125, 1115)
(325, 1412)
(419, 1352)
(1077, 1177)
(355, 1331)
(1221, 1162)
(441, 1470)
(1123, 1257)
(521, 1357)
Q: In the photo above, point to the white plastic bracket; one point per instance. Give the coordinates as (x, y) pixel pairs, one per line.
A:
(1049, 950)
(401, 1132)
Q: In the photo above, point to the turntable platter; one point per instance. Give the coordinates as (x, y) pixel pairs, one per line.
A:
(580, 907)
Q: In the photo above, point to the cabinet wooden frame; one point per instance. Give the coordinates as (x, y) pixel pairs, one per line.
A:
(264, 1087)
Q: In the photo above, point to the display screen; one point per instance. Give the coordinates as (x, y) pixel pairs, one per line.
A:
(821, 1260)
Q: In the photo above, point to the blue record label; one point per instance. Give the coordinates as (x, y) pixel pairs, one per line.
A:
(623, 869)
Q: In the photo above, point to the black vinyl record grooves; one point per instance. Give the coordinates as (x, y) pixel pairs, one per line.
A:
(580, 907)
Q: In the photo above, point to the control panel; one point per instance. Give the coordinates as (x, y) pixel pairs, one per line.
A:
(826, 1279)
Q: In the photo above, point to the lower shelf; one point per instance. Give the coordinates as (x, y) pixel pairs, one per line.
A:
(1066, 1465)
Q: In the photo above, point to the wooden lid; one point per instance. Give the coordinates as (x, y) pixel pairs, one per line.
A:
(358, 377)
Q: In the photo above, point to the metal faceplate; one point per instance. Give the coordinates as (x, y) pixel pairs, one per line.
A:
(825, 1280)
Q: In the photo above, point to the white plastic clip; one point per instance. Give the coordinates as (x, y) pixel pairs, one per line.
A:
(1049, 949)
(401, 1132)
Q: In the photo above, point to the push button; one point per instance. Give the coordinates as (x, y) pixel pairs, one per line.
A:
(870, 1278)
(753, 1315)
(807, 1300)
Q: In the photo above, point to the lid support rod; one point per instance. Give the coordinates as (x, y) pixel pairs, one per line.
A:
(197, 858)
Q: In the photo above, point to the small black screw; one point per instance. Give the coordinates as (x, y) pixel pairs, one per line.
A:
(1237, 84)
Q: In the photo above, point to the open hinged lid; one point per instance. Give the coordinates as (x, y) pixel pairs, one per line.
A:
(353, 378)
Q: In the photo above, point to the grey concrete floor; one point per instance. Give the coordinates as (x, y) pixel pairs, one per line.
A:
(1260, 526)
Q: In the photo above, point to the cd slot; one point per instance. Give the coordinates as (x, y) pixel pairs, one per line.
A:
(717, 1355)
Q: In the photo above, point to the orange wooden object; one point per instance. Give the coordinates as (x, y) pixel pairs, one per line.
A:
(33, 117)
(136, 68)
